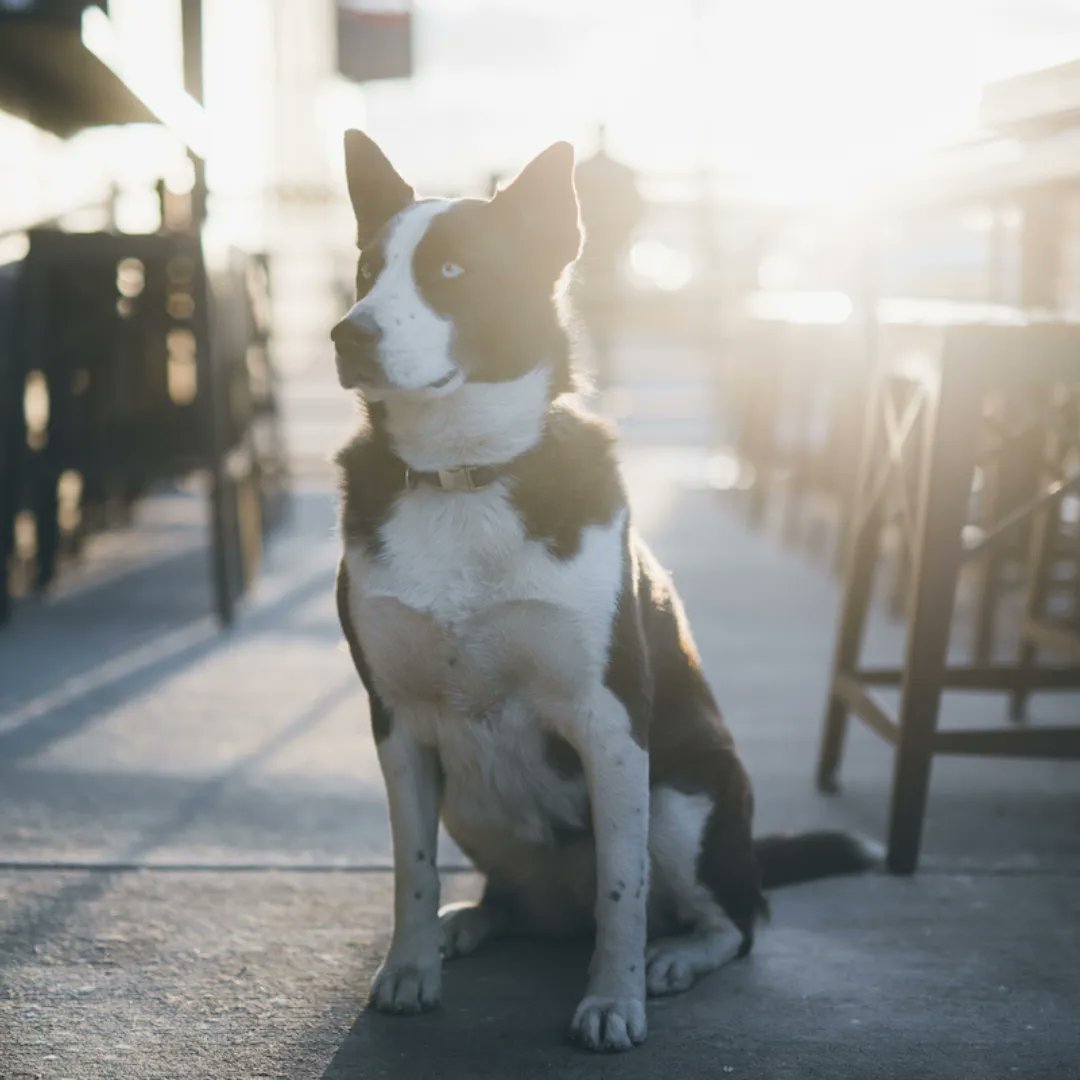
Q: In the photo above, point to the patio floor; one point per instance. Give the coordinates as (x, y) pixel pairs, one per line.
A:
(194, 854)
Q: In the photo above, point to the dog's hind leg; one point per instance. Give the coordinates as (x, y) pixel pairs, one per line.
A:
(467, 925)
(704, 877)
(728, 866)
(674, 964)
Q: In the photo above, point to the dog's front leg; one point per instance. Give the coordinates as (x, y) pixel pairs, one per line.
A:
(410, 977)
(611, 1016)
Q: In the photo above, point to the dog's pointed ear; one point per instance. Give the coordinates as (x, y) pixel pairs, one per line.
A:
(376, 190)
(542, 204)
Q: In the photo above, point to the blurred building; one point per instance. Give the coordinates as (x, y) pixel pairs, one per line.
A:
(270, 131)
(993, 218)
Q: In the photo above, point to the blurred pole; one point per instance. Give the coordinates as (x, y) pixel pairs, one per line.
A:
(191, 29)
(191, 21)
(223, 525)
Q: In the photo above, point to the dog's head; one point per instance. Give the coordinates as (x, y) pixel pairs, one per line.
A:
(451, 291)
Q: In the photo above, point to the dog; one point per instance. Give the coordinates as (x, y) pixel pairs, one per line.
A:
(532, 678)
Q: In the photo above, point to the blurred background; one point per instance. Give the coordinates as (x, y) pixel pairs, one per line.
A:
(766, 148)
(828, 295)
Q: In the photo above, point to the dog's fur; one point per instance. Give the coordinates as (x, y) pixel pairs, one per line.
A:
(531, 674)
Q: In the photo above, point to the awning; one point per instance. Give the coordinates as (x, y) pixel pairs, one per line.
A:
(59, 75)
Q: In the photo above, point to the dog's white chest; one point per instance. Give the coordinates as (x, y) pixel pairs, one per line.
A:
(450, 554)
(454, 556)
(476, 636)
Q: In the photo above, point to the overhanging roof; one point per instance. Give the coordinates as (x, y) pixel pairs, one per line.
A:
(52, 77)
(1035, 103)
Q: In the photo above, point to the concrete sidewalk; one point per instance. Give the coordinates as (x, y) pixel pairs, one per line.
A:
(194, 855)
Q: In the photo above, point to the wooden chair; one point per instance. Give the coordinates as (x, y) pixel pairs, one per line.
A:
(938, 363)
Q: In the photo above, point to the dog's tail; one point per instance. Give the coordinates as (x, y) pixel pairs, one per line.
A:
(790, 858)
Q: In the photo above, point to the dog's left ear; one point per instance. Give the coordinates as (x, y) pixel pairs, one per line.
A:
(541, 205)
(375, 188)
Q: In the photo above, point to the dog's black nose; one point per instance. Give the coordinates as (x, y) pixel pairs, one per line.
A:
(356, 342)
(355, 331)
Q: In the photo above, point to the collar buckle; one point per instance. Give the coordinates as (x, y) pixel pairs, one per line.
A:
(462, 478)
(459, 479)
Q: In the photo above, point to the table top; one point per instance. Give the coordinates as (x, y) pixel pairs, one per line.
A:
(836, 308)
(1000, 349)
(946, 313)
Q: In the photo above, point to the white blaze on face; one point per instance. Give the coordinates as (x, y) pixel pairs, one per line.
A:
(414, 347)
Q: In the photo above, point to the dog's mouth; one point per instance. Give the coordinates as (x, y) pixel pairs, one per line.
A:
(451, 382)
(446, 380)
(371, 379)
(355, 373)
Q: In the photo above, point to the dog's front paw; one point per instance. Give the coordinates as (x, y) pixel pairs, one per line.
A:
(407, 984)
(604, 1023)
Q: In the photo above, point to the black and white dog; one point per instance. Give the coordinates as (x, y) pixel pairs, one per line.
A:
(531, 674)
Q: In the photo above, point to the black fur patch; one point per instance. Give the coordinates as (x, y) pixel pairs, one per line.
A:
(567, 835)
(370, 264)
(629, 668)
(564, 484)
(690, 748)
(380, 714)
(788, 860)
(501, 306)
(569, 481)
(561, 756)
(376, 190)
(540, 209)
(372, 478)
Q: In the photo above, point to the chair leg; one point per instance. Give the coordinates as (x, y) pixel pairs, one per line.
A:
(1008, 483)
(1042, 553)
(8, 498)
(1039, 569)
(213, 390)
(1075, 557)
(993, 507)
(46, 510)
(900, 583)
(863, 532)
(5, 571)
(223, 545)
(947, 470)
(1025, 664)
(986, 611)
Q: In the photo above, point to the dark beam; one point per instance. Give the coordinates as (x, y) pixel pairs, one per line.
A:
(865, 707)
(1027, 742)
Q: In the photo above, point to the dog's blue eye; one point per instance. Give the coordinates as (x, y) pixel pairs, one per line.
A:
(451, 270)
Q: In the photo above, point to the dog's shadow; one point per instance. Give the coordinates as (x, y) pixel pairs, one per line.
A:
(505, 1013)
